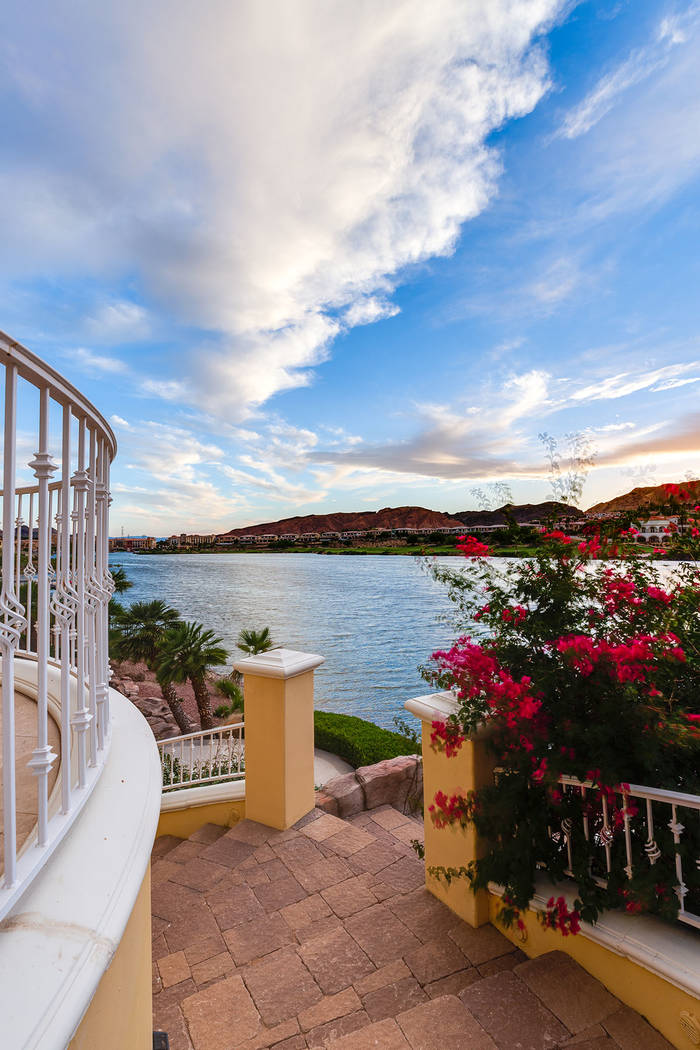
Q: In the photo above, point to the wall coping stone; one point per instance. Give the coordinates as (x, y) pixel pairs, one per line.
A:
(278, 663)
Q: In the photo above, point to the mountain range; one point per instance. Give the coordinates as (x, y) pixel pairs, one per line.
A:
(643, 496)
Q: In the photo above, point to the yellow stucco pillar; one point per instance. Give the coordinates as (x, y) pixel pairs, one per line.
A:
(452, 847)
(278, 688)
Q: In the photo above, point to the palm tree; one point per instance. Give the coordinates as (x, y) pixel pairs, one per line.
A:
(137, 635)
(120, 580)
(186, 652)
(253, 642)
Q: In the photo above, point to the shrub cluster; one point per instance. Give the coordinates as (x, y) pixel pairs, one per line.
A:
(359, 742)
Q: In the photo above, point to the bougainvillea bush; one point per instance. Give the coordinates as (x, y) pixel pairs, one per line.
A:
(584, 662)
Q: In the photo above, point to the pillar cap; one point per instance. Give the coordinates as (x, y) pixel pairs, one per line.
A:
(278, 663)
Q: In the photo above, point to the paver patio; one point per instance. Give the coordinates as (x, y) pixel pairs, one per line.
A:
(324, 936)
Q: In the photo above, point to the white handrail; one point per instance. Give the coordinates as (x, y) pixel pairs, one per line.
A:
(205, 757)
(53, 601)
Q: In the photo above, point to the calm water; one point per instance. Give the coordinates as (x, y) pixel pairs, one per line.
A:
(373, 618)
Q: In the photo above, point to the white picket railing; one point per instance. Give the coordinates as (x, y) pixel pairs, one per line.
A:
(601, 834)
(206, 757)
(55, 592)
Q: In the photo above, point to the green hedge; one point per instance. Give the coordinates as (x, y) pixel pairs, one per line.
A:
(360, 743)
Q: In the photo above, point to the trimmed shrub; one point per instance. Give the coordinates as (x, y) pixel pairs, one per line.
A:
(359, 742)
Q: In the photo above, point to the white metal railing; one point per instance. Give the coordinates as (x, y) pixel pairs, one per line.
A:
(54, 597)
(599, 832)
(207, 757)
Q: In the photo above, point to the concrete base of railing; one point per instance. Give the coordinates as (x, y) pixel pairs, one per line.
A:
(184, 811)
(61, 950)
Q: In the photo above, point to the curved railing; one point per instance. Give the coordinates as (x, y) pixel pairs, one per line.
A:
(55, 592)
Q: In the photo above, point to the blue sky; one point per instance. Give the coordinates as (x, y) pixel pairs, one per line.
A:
(315, 256)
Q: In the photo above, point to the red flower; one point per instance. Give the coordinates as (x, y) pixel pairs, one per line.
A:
(471, 547)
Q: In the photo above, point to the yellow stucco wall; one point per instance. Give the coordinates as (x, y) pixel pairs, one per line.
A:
(647, 993)
(452, 846)
(279, 741)
(183, 822)
(120, 1016)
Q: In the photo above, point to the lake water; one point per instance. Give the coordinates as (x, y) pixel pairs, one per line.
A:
(373, 618)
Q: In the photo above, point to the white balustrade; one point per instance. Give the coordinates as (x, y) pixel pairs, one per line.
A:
(207, 757)
(53, 602)
(657, 809)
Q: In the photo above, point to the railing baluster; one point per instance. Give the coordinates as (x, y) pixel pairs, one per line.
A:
(82, 718)
(43, 756)
(628, 834)
(677, 830)
(63, 612)
(9, 629)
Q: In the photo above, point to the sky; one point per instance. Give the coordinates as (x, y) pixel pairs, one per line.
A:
(331, 255)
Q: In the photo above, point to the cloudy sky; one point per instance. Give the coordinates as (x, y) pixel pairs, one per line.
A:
(316, 255)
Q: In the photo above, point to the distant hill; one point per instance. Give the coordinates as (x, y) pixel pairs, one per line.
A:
(387, 518)
(643, 496)
(540, 512)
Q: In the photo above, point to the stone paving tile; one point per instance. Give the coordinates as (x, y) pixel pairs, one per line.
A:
(296, 1042)
(324, 827)
(228, 851)
(271, 1036)
(251, 832)
(596, 1031)
(185, 851)
(393, 999)
(162, 870)
(199, 874)
(346, 898)
(335, 960)
(273, 867)
(234, 905)
(205, 949)
(576, 998)
(373, 858)
(197, 926)
(328, 1033)
(330, 1008)
(211, 969)
(444, 1024)
(512, 1015)
(434, 960)
(424, 915)
(281, 986)
(349, 841)
(305, 912)
(409, 833)
(173, 969)
(263, 853)
(252, 940)
(159, 947)
(256, 876)
(482, 944)
(388, 974)
(603, 1043)
(384, 1035)
(297, 852)
(387, 817)
(221, 1015)
(321, 874)
(630, 1031)
(378, 931)
(315, 814)
(454, 984)
(163, 846)
(503, 962)
(280, 893)
(208, 833)
(169, 1019)
(405, 874)
(171, 902)
(318, 928)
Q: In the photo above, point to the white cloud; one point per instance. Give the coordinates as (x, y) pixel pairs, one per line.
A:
(93, 363)
(640, 65)
(265, 175)
(120, 422)
(625, 383)
(118, 322)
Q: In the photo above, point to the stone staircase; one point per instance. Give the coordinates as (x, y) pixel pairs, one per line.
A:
(323, 936)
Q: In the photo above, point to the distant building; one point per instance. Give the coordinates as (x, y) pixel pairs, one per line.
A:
(132, 543)
(658, 528)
